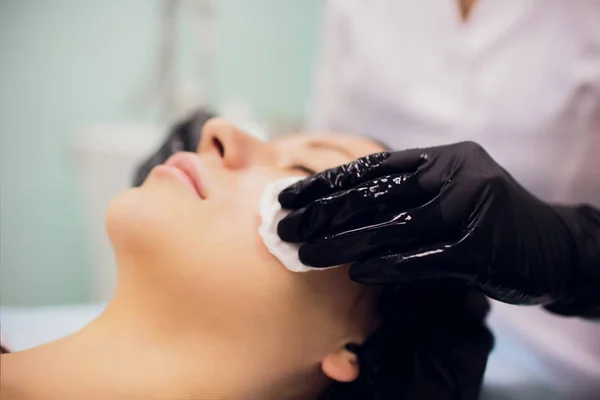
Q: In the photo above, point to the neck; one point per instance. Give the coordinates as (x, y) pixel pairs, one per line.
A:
(466, 8)
(129, 352)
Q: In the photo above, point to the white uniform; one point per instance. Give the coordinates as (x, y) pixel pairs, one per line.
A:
(520, 77)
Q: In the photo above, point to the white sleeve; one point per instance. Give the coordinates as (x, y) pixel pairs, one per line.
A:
(325, 94)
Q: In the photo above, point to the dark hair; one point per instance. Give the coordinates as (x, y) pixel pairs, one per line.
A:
(432, 344)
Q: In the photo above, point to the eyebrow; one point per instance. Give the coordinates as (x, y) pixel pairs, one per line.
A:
(331, 146)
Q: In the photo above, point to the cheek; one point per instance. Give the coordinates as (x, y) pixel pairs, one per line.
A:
(239, 217)
(235, 272)
(230, 234)
(222, 250)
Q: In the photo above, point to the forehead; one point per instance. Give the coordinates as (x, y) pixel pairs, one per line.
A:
(355, 146)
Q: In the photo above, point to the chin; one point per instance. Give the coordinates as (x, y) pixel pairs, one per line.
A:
(137, 220)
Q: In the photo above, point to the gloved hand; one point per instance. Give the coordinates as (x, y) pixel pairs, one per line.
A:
(448, 212)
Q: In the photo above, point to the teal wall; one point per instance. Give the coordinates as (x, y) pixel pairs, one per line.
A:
(266, 53)
(68, 63)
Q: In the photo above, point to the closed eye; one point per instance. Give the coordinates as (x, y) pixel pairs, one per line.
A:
(304, 169)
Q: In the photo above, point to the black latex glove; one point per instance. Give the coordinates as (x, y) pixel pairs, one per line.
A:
(446, 212)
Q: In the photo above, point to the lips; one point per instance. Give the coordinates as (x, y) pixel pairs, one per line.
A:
(191, 166)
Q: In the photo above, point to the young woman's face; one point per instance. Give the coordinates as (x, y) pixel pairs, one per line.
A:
(199, 247)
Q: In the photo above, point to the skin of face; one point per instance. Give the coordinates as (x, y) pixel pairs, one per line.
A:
(203, 259)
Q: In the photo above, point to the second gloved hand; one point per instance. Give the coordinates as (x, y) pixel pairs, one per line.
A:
(448, 212)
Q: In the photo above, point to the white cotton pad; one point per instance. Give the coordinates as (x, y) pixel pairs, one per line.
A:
(271, 213)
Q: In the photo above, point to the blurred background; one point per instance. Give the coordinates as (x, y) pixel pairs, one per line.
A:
(89, 88)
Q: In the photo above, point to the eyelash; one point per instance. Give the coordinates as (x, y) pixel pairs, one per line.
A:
(304, 169)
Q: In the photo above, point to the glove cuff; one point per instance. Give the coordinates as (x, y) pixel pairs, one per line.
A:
(584, 225)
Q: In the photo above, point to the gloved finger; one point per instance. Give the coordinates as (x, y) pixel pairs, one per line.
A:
(414, 229)
(438, 261)
(405, 161)
(349, 175)
(380, 196)
(330, 181)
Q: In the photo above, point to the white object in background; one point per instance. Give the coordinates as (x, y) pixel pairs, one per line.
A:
(175, 88)
(105, 158)
(27, 327)
(240, 113)
(189, 98)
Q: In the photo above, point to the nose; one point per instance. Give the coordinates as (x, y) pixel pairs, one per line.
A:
(236, 148)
